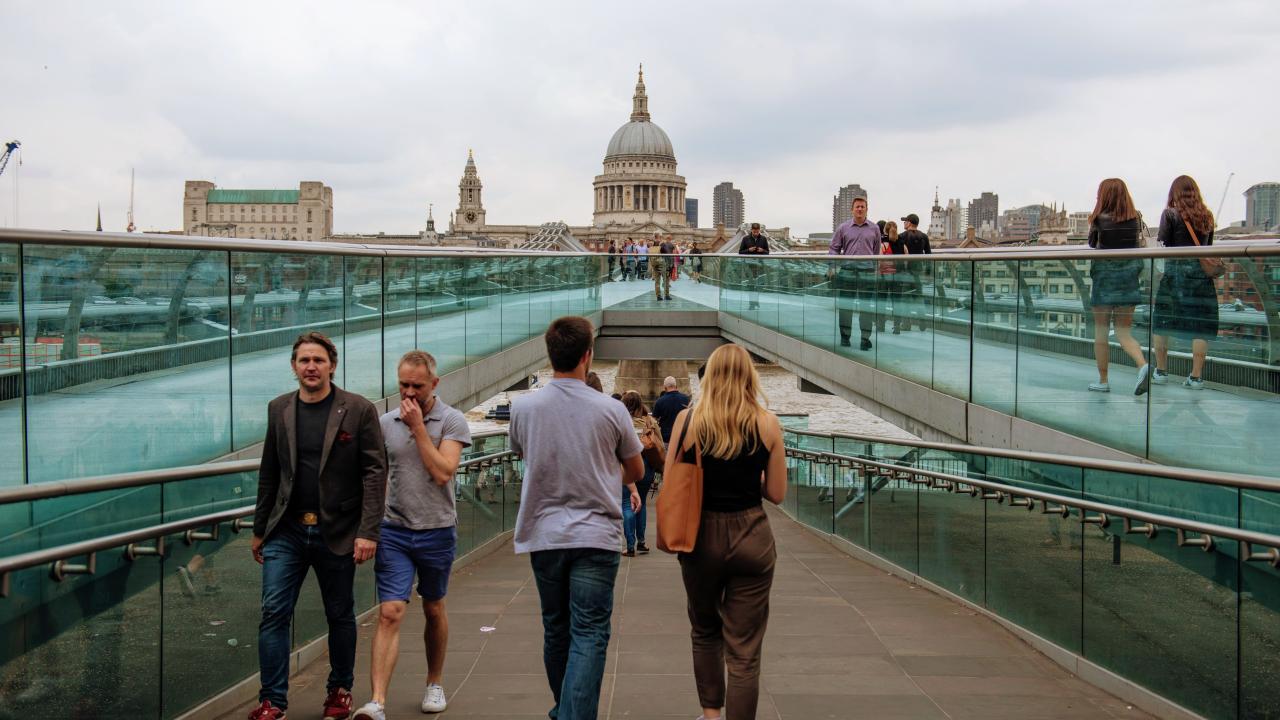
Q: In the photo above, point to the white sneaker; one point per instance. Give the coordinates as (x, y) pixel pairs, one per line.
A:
(1159, 377)
(433, 701)
(1194, 383)
(371, 711)
(1100, 387)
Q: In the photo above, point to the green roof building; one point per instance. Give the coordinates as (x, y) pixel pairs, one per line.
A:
(302, 214)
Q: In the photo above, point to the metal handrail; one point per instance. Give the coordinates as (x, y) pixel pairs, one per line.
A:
(1262, 248)
(1203, 477)
(143, 478)
(1052, 503)
(57, 556)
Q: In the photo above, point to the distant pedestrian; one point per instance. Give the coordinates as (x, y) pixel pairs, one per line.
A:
(569, 520)
(854, 280)
(695, 256)
(642, 261)
(887, 292)
(729, 574)
(1115, 224)
(753, 246)
(635, 521)
(593, 382)
(628, 260)
(668, 405)
(1186, 304)
(911, 274)
(613, 258)
(662, 261)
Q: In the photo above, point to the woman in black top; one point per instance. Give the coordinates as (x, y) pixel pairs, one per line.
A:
(729, 574)
(1186, 302)
(1115, 224)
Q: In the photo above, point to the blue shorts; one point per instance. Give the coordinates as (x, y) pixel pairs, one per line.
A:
(402, 551)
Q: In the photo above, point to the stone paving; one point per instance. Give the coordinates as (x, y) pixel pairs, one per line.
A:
(845, 640)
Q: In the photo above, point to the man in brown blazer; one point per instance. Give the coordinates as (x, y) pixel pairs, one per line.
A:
(321, 494)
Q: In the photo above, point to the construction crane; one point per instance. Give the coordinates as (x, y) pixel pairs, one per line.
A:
(9, 147)
(1221, 202)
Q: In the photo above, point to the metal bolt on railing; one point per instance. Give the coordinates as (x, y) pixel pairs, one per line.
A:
(60, 569)
(1204, 542)
(1101, 519)
(193, 535)
(1049, 508)
(133, 551)
(1131, 528)
(997, 495)
(1270, 555)
(1026, 502)
(241, 524)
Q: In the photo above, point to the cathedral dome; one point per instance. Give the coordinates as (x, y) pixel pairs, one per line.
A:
(640, 137)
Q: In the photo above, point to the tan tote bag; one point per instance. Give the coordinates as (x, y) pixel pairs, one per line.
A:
(680, 500)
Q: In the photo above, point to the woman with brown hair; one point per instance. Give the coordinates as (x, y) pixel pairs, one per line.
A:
(635, 523)
(890, 294)
(1186, 302)
(1115, 224)
(729, 573)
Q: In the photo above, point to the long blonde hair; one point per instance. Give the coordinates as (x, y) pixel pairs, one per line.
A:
(727, 414)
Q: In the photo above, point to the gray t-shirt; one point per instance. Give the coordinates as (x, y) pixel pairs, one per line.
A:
(414, 500)
(573, 440)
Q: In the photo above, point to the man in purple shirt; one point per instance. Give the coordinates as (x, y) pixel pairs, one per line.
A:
(855, 278)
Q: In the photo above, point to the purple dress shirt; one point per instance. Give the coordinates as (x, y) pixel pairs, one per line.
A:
(853, 239)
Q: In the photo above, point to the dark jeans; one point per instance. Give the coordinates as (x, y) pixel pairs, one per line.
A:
(634, 525)
(287, 554)
(576, 589)
(851, 286)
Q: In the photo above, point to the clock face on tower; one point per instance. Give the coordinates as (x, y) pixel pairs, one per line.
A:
(471, 217)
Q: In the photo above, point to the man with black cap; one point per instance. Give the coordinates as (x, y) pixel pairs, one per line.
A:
(913, 242)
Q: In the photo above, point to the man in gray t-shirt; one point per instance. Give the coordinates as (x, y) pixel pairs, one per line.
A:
(424, 439)
(578, 447)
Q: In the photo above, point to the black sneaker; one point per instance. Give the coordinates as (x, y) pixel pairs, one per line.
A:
(866, 344)
(629, 553)
(642, 548)
(844, 342)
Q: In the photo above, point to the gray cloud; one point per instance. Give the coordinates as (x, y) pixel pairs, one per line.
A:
(1037, 101)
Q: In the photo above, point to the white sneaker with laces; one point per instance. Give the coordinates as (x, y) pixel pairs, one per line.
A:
(1100, 387)
(1194, 383)
(1159, 377)
(433, 701)
(371, 711)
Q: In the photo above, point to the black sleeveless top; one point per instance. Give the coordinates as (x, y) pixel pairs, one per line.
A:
(732, 485)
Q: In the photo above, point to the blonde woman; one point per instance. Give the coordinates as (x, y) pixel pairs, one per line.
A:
(729, 574)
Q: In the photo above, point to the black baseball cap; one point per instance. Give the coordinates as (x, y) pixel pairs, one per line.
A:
(912, 218)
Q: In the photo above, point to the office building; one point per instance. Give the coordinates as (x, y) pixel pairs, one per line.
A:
(1262, 206)
(691, 212)
(984, 211)
(302, 214)
(842, 204)
(727, 206)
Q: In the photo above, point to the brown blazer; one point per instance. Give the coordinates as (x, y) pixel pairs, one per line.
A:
(353, 470)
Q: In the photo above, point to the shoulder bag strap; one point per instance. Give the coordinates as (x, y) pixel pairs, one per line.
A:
(1194, 239)
(697, 449)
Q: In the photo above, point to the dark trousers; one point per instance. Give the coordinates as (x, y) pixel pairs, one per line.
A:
(576, 589)
(286, 556)
(859, 286)
(727, 579)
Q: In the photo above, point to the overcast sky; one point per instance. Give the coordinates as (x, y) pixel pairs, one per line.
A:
(1037, 101)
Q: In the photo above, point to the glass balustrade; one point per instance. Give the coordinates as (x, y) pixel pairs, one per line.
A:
(1198, 627)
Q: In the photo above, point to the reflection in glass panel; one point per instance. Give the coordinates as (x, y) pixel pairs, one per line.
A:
(1259, 612)
(362, 341)
(947, 290)
(399, 334)
(855, 284)
(284, 295)
(952, 528)
(1076, 325)
(84, 647)
(484, 310)
(441, 320)
(1234, 322)
(117, 329)
(814, 320)
(996, 299)
(12, 351)
(514, 275)
(903, 331)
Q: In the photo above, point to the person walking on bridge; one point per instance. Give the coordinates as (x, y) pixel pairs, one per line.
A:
(321, 487)
(1115, 224)
(753, 245)
(729, 574)
(424, 440)
(569, 520)
(855, 280)
(663, 263)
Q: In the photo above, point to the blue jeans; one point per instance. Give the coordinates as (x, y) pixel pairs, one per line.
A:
(286, 556)
(635, 524)
(576, 589)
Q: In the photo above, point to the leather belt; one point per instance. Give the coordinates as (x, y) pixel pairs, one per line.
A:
(309, 518)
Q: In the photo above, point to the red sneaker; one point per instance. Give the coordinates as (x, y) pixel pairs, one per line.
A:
(338, 705)
(266, 711)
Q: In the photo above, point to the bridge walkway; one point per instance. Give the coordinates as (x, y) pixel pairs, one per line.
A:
(845, 640)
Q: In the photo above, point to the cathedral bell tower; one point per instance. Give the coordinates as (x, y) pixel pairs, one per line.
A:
(469, 216)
